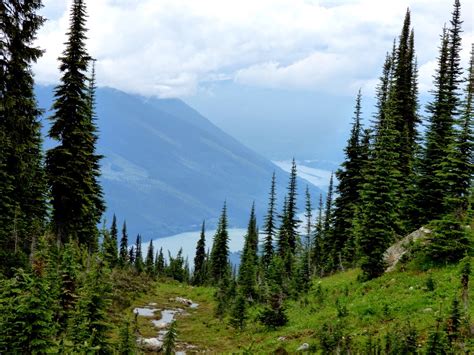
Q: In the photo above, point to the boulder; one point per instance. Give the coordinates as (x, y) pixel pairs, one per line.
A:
(150, 344)
(303, 347)
(393, 254)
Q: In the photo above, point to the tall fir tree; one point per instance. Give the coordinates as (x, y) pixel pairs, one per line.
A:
(348, 189)
(377, 215)
(160, 263)
(269, 228)
(199, 275)
(248, 266)
(220, 249)
(138, 254)
(73, 165)
(318, 240)
(149, 260)
(443, 111)
(114, 242)
(22, 178)
(123, 254)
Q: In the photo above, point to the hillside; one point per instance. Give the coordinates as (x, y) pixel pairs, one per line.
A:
(339, 311)
(166, 167)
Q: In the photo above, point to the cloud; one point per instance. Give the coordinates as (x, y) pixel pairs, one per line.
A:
(171, 48)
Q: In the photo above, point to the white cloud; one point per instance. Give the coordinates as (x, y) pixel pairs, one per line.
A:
(172, 47)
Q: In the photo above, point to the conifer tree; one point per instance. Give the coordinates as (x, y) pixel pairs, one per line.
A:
(68, 276)
(292, 221)
(138, 254)
(73, 165)
(169, 341)
(89, 323)
(149, 261)
(131, 256)
(26, 324)
(22, 179)
(200, 258)
(348, 189)
(434, 184)
(160, 263)
(239, 312)
(220, 249)
(113, 242)
(269, 225)
(329, 254)
(248, 264)
(377, 217)
(318, 241)
(123, 257)
(127, 340)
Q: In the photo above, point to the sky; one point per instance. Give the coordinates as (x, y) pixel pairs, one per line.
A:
(279, 75)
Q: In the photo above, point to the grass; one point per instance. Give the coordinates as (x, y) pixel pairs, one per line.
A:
(361, 310)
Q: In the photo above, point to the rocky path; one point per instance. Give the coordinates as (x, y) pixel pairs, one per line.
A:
(168, 315)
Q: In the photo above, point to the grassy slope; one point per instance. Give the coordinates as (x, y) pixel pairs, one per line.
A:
(372, 308)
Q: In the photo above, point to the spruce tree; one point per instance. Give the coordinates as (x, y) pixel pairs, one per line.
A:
(434, 183)
(138, 254)
(330, 256)
(123, 257)
(318, 240)
(377, 217)
(239, 312)
(149, 261)
(22, 179)
(89, 326)
(160, 263)
(248, 263)
(113, 242)
(73, 165)
(220, 249)
(26, 322)
(269, 228)
(348, 189)
(292, 221)
(131, 256)
(200, 258)
(169, 341)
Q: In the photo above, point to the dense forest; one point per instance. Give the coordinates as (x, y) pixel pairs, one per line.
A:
(66, 284)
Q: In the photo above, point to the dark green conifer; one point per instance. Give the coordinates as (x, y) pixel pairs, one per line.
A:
(22, 179)
(248, 265)
(169, 341)
(89, 325)
(73, 165)
(239, 312)
(434, 183)
(318, 241)
(160, 263)
(377, 217)
(269, 227)
(113, 242)
(220, 249)
(348, 190)
(199, 275)
(149, 261)
(26, 322)
(138, 254)
(123, 255)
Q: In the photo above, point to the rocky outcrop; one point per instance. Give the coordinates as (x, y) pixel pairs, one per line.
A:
(393, 254)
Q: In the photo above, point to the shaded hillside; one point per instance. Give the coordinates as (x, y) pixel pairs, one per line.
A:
(167, 168)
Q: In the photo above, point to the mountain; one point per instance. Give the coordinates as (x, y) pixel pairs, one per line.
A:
(166, 168)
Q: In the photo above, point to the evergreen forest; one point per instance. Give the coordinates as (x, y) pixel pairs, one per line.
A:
(70, 282)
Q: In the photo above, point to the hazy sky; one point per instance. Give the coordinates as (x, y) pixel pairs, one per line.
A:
(292, 64)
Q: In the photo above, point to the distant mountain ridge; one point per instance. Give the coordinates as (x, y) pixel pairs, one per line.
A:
(166, 167)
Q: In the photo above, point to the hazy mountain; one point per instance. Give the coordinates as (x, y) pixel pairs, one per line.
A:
(166, 167)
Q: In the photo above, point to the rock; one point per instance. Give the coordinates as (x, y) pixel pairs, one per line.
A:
(428, 310)
(183, 301)
(281, 339)
(303, 347)
(150, 344)
(393, 254)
